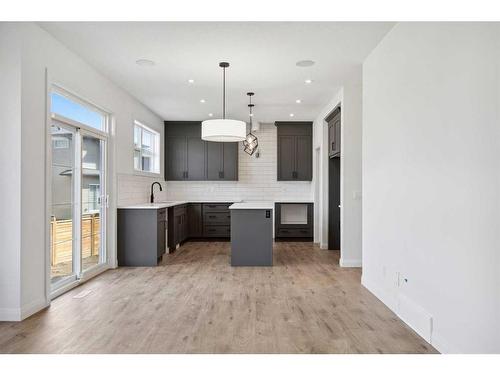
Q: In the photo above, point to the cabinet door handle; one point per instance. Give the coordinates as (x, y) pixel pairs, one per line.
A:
(221, 174)
(212, 217)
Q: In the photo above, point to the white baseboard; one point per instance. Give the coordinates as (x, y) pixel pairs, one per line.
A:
(412, 314)
(10, 315)
(323, 246)
(33, 308)
(350, 262)
(442, 346)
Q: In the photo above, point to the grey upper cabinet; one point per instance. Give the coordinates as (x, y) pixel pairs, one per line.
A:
(195, 157)
(175, 159)
(303, 158)
(294, 151)
(230, 161)
(214, 160)
(188, 157)
(222, 161)
(286, 161)
(334, 133)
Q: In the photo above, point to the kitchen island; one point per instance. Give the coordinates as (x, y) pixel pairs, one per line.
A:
(252, 233)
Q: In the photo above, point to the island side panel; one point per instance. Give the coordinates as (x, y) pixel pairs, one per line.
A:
(252, 237)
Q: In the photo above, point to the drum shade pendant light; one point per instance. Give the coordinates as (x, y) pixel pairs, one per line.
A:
(223, 130)
(250, 143)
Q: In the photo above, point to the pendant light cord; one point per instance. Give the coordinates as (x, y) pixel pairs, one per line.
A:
(224, 93)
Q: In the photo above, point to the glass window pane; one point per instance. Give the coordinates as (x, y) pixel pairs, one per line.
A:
(146, 149)
(147, 140)
(137, 136)
(92, 152)
(61, 223)
(147, 164)
(63, 106)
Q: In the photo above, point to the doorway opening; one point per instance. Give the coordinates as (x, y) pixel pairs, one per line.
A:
(334, 173)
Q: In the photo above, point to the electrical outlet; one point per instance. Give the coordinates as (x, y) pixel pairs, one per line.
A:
(401, 280)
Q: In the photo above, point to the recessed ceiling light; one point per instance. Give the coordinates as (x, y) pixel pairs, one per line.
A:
(308, 81)
(202, 100)
(298, 101)
(291, 115)
(304, 63)
(210, 114)
(145, 62)
(190, 80)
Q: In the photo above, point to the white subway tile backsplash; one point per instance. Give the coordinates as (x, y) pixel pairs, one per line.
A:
(257, 178)
(136, 189)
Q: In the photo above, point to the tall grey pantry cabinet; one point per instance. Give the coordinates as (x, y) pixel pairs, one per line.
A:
(189, 158)
(294, 150)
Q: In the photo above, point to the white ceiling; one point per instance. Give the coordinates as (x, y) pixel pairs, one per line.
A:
(262, 57)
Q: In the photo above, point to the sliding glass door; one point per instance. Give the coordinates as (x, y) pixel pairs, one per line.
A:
(93, 201)
(78, 201)
(63, 233)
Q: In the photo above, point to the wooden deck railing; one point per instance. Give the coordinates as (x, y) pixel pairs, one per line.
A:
(62, 238)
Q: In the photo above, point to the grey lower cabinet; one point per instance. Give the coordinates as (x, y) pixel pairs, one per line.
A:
(251, 237)
(216, 220)
(195, 220)
(177, 225)
(188, 157)
(333, 121)
(288, 230)
(141, 236)
(294, 151)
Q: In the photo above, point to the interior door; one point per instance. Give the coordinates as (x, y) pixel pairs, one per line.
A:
(334, 203)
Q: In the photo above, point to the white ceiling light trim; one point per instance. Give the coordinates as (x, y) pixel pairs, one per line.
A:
(223, 130)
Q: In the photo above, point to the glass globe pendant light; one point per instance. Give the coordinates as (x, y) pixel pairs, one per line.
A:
(250, 143)
(223, 130)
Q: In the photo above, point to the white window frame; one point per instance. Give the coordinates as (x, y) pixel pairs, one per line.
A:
(156, 150)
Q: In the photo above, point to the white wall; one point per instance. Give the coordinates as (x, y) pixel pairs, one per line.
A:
(38, 52)
(431, 181)
(10, 170)
(349, 97)
(257, 178)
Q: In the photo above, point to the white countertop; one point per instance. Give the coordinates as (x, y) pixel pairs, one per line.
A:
(158, 205)
(153, 206)
(265, 205)
(294, 201)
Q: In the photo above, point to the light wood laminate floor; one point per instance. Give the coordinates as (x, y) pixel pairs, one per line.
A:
(195, 302)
